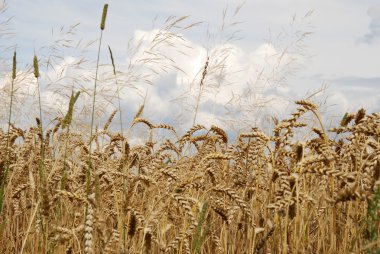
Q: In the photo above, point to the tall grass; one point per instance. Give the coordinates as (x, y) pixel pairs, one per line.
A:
(90, 166)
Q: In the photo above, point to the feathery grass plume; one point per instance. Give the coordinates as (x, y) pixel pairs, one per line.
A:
(88, 174)
(118, 90)
(5, 173)
(104, 16)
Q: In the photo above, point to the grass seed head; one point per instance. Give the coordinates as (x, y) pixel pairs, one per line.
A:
(104, 16)
(112, 60)
(14, 66)
(35, 66)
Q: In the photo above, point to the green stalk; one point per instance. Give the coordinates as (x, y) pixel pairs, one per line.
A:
(88, 174)
(43, 188)
(37, 75)
(200, 236)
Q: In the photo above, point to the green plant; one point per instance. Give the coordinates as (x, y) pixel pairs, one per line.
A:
(200, 235)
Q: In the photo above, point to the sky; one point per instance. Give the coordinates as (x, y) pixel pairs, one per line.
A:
(263, 55)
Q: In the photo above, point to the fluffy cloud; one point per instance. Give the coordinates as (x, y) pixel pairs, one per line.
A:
(374, 26)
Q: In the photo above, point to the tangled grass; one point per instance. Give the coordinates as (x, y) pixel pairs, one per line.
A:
(198, 194)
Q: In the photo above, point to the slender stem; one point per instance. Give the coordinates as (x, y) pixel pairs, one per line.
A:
(42, 147)
(197, 105)
(120, 112)
(118, 89)
(92, 117)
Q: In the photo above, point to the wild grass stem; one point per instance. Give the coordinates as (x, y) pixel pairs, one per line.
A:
(5, 175)
(102, 26)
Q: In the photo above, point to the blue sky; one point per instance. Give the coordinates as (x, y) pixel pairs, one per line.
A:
(341, 52)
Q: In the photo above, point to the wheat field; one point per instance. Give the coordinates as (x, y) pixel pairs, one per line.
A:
(262, 194)
(298, 188)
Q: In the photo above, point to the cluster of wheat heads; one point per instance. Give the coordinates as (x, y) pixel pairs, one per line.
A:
(200, 193)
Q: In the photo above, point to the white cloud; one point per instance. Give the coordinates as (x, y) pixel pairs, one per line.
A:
(374, 26)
